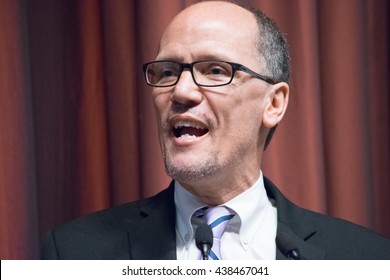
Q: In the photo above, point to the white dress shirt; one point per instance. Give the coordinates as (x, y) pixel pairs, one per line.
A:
(250, 234)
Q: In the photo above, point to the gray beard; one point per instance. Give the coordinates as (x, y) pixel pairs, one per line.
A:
(191, 173)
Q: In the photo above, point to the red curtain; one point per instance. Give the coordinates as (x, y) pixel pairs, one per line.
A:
(78, 128)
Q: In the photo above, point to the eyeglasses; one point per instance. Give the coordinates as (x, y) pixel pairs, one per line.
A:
(207, 73)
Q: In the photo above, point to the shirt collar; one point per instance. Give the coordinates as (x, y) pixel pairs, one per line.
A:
(186, 204)
(250, 207)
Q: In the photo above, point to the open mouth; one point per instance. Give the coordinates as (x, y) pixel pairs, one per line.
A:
(188, 130)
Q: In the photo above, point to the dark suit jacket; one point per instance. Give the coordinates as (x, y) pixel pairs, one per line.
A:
(145, 229)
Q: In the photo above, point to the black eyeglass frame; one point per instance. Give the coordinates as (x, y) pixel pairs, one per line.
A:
(189, 66)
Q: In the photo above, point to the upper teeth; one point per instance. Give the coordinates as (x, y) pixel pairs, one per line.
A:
(187, 124)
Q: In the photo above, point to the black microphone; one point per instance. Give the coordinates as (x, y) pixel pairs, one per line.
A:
(204, 240)
(287, 246)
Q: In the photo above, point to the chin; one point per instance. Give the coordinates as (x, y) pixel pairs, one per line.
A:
(190, 171)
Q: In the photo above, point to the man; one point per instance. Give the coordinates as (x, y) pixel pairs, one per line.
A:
(219, 89)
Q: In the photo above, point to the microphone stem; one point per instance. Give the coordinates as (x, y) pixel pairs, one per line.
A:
(205, 250)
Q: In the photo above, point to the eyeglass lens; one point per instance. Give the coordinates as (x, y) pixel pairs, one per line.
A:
(206, 73)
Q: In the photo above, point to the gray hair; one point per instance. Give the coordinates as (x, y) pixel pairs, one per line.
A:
(273, 49)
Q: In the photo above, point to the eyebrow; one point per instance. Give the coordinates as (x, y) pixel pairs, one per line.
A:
(216, 57)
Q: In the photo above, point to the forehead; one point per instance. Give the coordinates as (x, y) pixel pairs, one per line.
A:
(210, 29)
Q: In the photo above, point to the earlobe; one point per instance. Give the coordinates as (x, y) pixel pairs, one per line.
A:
(276, 104)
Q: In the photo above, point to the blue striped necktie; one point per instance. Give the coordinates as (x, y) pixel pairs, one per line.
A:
(217, 218)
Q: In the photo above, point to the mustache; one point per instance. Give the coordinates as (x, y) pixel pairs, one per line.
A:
(189, 113)
(178, 108)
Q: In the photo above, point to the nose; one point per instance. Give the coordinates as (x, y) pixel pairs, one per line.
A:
(186, 92)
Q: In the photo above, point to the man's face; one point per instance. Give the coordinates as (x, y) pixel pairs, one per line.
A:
(212, 135)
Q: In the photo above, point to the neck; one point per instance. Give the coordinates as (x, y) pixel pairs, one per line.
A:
(218, 190)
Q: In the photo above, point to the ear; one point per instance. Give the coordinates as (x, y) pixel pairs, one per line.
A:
(277, 100)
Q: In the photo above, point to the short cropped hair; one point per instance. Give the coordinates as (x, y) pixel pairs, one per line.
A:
(273, 50)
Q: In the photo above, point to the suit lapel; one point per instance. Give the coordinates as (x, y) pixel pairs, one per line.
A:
(153, 236)
(291, 221)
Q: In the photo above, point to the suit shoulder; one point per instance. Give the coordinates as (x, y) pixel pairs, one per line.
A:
(339, 238)
(346, 240)
(114, 216)
(102, 234)
(117, 217)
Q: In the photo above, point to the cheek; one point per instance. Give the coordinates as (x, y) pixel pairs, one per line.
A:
(240, 129)
(241, 113)
(243, 125)
(161, 103)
